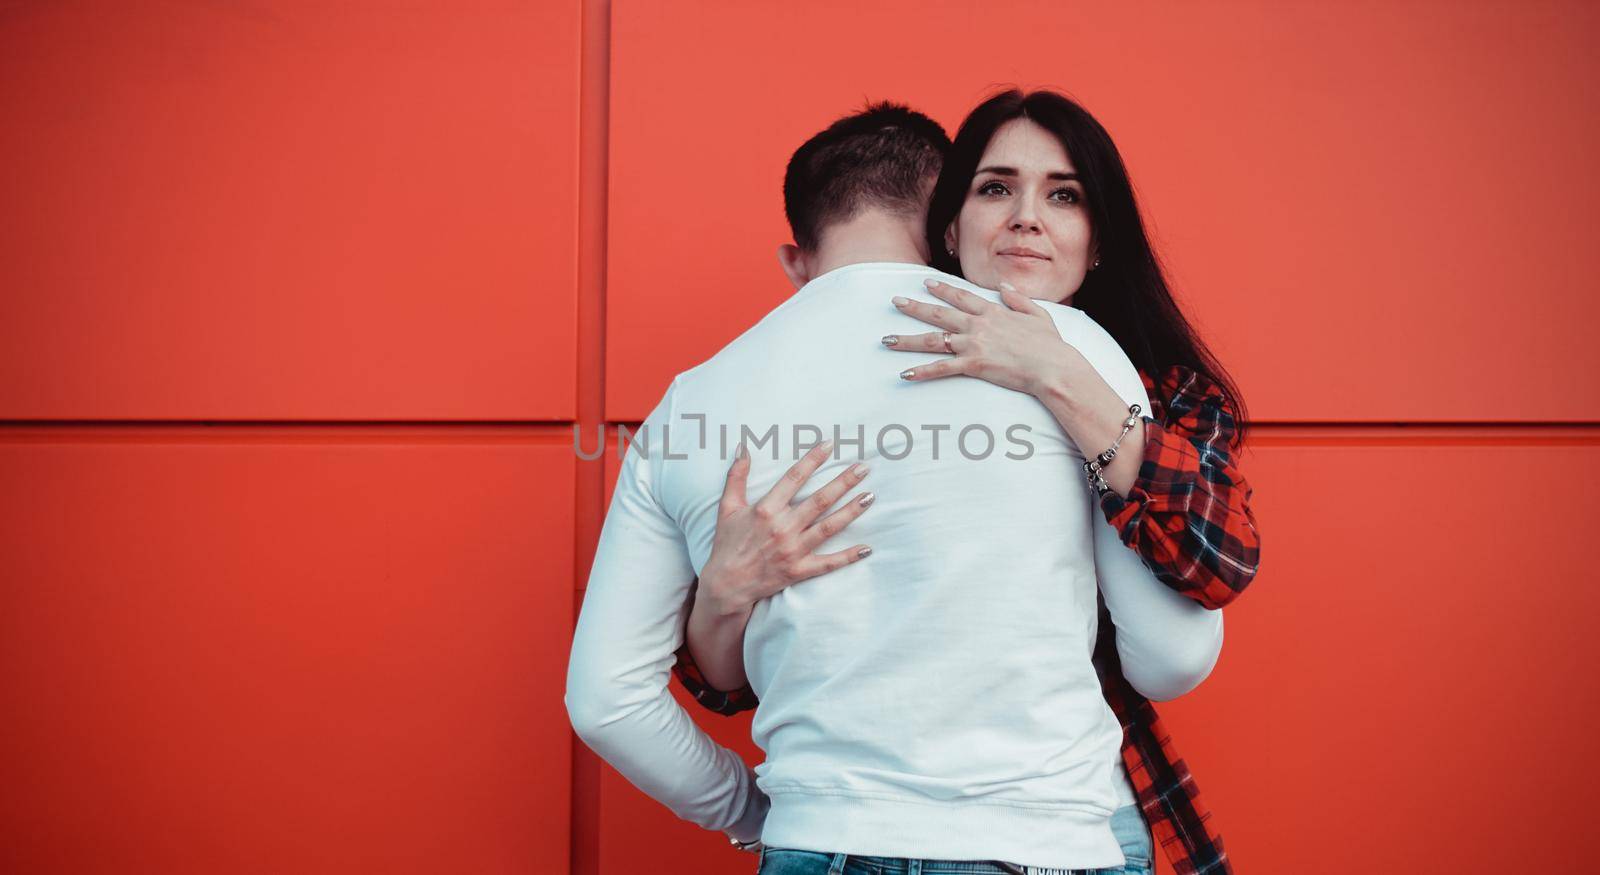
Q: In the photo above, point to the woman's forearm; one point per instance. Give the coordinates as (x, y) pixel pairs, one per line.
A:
(1094, 423)
(1208, 550)
(716, 642)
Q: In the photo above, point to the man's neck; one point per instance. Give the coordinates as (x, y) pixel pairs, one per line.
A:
(870, 237)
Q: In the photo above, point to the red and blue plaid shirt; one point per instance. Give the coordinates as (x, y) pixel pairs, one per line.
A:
(1188, 517)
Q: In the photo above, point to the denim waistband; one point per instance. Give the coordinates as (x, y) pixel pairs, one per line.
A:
(1127, 823)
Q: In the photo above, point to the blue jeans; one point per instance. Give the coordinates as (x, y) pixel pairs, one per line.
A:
(1127, 823)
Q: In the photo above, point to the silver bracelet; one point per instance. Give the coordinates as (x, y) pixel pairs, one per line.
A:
(1093, 467)
(752, 847)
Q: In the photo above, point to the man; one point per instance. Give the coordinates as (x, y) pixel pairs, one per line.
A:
(884, 732)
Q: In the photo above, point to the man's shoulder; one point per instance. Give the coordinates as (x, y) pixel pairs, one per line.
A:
(1079, 328)
(823, 295)
(863, 271)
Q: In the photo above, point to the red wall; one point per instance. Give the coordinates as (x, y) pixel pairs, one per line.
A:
(302, 303)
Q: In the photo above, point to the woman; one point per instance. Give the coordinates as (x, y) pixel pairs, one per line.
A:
(1033, 199)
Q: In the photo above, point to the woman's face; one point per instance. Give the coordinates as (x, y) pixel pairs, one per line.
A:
(1024, 220)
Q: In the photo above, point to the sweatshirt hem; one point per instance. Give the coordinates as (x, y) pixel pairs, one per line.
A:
(1050, 835)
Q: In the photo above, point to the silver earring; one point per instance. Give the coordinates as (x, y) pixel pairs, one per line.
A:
(1096, 264)
(950, 250)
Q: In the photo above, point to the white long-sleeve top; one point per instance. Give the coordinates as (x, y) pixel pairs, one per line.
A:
(935, 699)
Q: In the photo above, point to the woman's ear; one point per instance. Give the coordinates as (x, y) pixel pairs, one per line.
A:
(950, 243)
(794, 264)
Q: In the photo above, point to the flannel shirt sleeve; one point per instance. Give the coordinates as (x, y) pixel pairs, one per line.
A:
(1188, 514)
(724, 702)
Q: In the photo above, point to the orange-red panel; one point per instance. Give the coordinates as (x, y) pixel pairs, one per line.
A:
(1378, 212)
(1411, 668)
(288, 210)
(285, 651)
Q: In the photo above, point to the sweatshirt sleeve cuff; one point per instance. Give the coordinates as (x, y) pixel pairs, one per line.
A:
(748, 827)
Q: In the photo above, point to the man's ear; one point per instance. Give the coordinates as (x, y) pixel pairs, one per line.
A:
(794, 264)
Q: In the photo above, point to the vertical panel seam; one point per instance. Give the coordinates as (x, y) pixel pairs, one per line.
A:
(593, 149)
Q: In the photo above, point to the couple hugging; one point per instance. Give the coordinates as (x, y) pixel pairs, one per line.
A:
(952, 668)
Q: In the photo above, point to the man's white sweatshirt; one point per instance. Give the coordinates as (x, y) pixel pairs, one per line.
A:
(935, 699)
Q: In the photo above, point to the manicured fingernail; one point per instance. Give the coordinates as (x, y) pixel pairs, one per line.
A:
(738, 452)
(859, 470)
(930, 283)
(891, 339)
(864, 552)
(1007, 287)
(908, 373)
(900, 302)
(866, 499)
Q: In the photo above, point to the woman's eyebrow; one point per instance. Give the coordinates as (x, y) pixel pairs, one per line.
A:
(1012, 171)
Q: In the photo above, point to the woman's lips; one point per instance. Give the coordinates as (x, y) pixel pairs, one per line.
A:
(1024, 258)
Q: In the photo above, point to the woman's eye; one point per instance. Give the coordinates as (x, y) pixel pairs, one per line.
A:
(1066, 195)
(991, 187)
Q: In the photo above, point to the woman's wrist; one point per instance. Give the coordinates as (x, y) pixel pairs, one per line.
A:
(1093, 418)
(1053, 385)
(720, 600)
(1123, 470)
(716, 642)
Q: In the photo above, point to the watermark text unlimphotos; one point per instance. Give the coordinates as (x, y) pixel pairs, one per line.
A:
(894, 440)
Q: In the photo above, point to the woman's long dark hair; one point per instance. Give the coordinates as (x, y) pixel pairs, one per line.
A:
(1127, 294)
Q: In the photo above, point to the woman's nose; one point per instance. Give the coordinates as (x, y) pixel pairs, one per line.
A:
(1023, 217)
